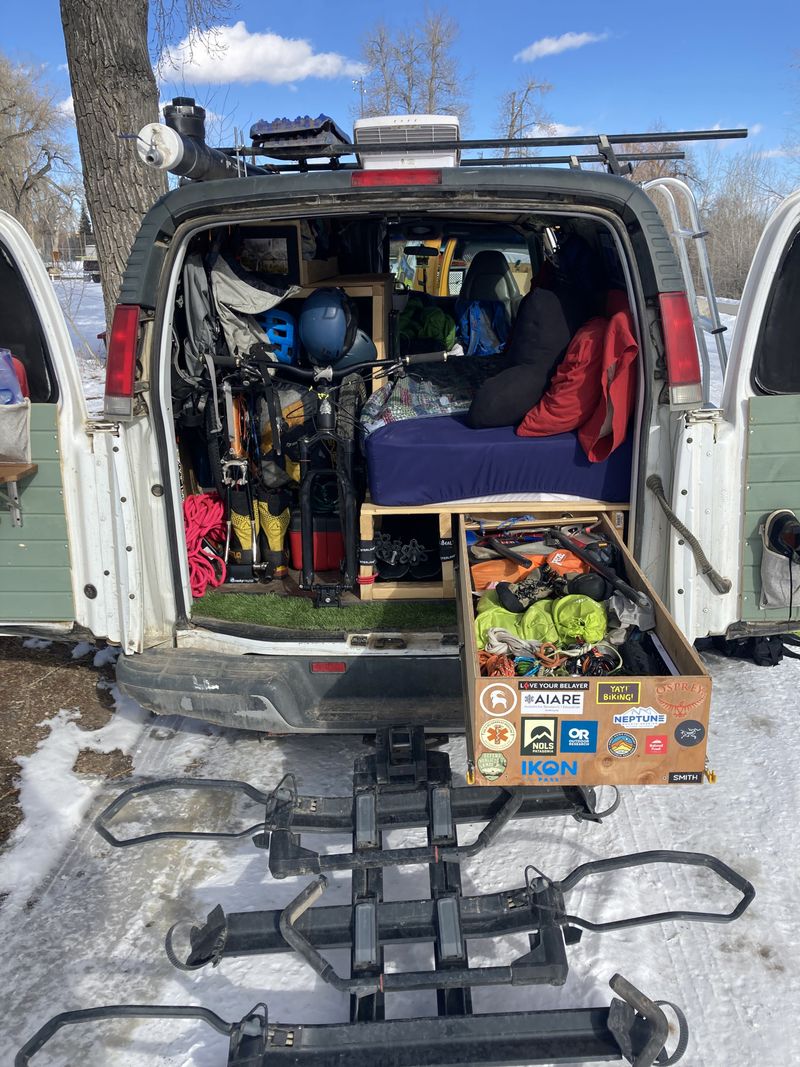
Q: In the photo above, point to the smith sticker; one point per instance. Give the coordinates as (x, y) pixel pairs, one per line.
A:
(618, 692)
(557, 701)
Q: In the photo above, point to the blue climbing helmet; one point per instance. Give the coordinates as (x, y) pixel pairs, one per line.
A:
(279, 326)
(328, 326)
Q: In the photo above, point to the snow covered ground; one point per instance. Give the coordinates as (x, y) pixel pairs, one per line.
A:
(84, 924)
(93, 931)
(82, 303)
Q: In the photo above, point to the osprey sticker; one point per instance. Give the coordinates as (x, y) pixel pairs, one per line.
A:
(498, 734)
(639, 718)
(500, 698)
(492, 765)
(622, 745)
(538, 737)
(680, 697)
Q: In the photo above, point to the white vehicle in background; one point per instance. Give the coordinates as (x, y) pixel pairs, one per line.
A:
(93, 542)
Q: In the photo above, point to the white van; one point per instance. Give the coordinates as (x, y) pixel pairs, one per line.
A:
(92, 542)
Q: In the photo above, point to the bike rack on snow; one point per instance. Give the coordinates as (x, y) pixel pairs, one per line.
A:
(406, 783)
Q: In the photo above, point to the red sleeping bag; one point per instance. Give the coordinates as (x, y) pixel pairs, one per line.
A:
(594, 386)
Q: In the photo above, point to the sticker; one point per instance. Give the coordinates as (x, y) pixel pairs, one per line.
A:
(689, 733)
(578, 737)
(618, 692)
(640, 718)
(553, 684)
(680, 697)
(656, 745)
(492, 765)
(500, 698)
(566, 701)
(538, 737)
(685, 777)
(498, 734)
(549, 770)
(622, 745)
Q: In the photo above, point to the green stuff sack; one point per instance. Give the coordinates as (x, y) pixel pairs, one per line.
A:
(492, 617)
(536, 624)
(579, 619)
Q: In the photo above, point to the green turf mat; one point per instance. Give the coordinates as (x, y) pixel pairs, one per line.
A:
(298, 613)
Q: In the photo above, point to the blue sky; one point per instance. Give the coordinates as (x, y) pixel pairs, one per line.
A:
(688, 65)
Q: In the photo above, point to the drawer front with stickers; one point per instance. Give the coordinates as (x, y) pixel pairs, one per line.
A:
(552, 728)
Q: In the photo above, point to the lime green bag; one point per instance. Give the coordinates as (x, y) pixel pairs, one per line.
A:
(536, 624)
(579, 619)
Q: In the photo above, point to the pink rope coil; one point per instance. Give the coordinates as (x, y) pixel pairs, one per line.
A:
(204, 521)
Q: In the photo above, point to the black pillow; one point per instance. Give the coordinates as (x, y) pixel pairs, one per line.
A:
(545, 323)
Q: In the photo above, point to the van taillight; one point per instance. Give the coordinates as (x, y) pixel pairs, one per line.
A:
(121, 360)
(361, 179)
(680, 343)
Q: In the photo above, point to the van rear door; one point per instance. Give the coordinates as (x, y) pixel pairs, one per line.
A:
(68, 546)
(734, 465)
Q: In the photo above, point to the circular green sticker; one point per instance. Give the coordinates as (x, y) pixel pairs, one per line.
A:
(492, 765)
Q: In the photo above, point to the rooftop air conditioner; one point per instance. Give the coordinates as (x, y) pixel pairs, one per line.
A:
(416, 131)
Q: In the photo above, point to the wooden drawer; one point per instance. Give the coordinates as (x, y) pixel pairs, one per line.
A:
(631, 730)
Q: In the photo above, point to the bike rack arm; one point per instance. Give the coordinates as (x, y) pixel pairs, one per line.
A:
(164, 785)
(642, 859)
(117, 1011)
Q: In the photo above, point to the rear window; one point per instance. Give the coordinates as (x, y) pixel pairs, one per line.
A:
(21, 331)
(776, 368)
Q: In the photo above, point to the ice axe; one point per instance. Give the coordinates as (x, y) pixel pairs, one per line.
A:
(641, 600)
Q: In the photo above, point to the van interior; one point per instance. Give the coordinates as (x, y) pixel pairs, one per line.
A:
(356, 467)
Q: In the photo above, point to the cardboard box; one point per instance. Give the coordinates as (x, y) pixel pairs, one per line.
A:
(593, 731)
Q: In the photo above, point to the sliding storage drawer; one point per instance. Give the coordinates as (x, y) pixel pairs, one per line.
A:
(618, 729)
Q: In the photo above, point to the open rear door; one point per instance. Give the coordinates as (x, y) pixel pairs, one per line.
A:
(68, 548)
(735, 465)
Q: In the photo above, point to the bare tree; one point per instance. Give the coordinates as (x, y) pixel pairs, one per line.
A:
(38, 185)
(115, 93)
(413, 70)
(522, 114)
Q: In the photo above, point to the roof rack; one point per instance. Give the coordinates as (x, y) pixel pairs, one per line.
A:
(605, 154)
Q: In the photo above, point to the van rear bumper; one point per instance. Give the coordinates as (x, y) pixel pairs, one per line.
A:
(281, 694)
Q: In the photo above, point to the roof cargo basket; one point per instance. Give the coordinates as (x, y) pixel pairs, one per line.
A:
(300, 138)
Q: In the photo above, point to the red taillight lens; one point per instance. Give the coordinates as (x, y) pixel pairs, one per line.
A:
(328, 666)
(680, 343)
(361, 179)
(121, 361)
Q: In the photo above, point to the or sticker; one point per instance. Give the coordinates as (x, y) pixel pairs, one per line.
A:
(549, 770)
(640, 718)
(498, 734)
(538, 737)
(492, 765)
(618, 692)
(559, 701)
(685, 777)
(622, 744)
(680, 697)
(578, 736)
(656, 745)
(689, 733)
(499, 698)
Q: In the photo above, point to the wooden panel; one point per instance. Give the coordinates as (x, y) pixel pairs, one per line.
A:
(772, 481)
(14, 472)
(35, 581)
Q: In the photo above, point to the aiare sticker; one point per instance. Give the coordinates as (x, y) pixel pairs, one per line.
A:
(497, 734)
(618, 692)
(499, 698)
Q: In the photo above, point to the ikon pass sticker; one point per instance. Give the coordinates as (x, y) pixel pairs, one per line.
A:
(555, 701)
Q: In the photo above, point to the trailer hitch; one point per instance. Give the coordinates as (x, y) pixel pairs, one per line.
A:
(633, 1029)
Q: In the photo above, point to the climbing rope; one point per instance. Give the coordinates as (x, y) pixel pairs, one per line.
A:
(204, 522)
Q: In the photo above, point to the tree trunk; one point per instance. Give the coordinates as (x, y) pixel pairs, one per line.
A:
(114, 92)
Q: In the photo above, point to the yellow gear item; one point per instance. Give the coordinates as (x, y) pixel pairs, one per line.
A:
(241, 547)
(274, 528)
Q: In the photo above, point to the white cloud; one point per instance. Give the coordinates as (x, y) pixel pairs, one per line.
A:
(551, 46)
(780, 153)
(67, 108)
(756, 129)
(63, 66)
(233, 54)
(561, 129)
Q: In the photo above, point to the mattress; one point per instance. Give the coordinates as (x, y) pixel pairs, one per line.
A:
(427, 461)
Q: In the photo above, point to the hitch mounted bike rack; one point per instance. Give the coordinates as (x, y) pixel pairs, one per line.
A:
(405, 783)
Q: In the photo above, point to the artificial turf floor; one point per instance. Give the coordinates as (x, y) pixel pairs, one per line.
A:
(298, 613)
